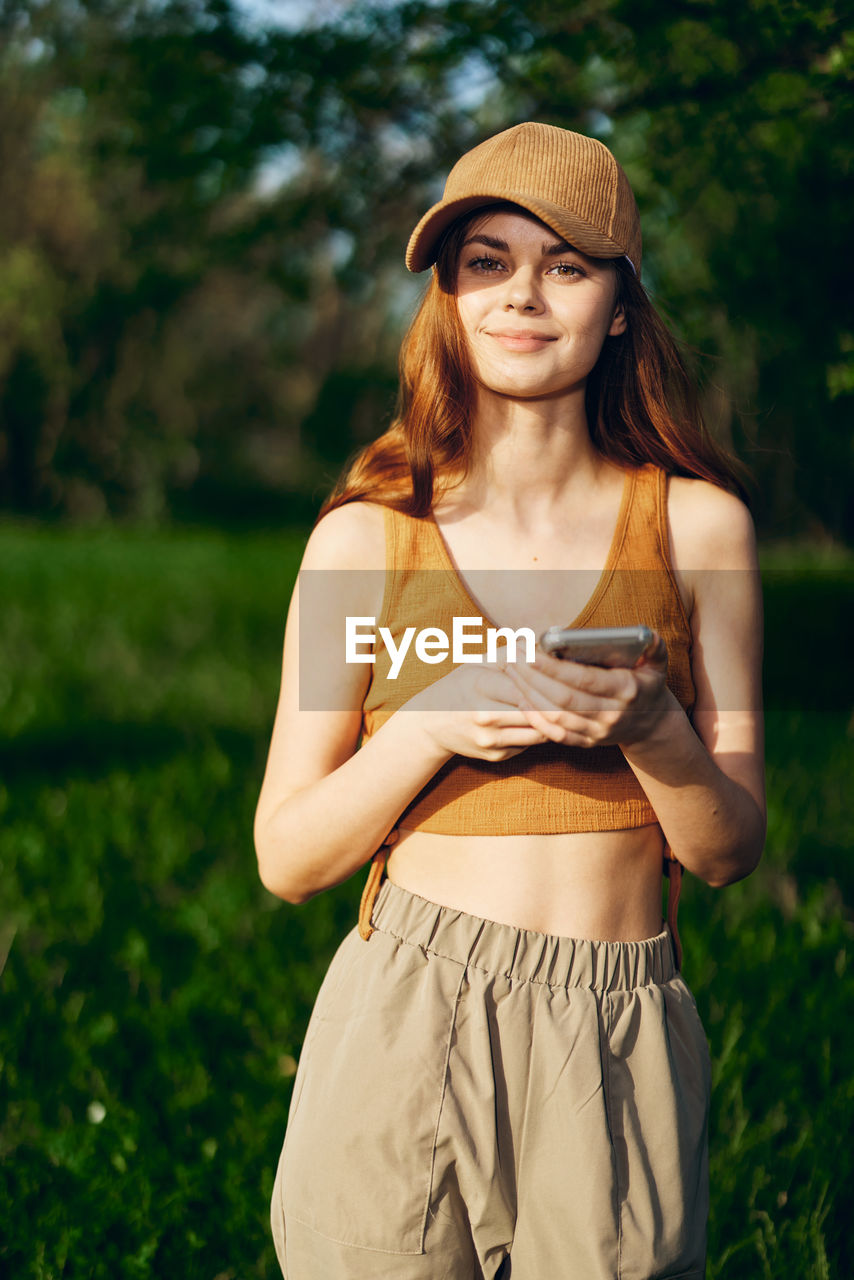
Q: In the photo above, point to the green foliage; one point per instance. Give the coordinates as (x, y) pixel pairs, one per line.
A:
(165, 325)
(202, 224)
(154, 997)
(734, 122)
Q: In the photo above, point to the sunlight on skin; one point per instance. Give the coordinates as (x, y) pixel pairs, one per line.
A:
(534, 309)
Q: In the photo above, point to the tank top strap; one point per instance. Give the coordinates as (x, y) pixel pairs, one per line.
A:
(412, 542)
(414, 561)
(645, 542)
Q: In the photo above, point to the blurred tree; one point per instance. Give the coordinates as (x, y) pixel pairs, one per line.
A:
(735, 122)
(129, 126)
(165, 323)
(201, 224)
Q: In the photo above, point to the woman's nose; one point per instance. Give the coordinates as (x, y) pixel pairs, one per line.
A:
(522, 293)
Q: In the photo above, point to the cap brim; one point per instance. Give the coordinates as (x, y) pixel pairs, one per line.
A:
(424, 242)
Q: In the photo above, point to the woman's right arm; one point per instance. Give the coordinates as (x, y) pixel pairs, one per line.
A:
(325, 808)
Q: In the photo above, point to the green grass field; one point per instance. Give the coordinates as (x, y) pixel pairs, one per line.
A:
(154, 996)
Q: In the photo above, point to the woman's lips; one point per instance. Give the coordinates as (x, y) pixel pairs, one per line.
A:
(520, 339)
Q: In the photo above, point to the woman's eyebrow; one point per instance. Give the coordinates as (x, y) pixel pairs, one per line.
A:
(491, 242)
(495, 242)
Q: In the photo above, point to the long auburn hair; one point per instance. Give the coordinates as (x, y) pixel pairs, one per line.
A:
(642, 404)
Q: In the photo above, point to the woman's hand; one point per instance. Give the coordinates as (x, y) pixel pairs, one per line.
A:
(586, 706)
(476, 711)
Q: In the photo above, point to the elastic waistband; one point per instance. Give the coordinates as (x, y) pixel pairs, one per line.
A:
(522, 954)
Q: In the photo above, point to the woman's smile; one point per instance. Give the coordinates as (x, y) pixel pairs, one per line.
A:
(521, 339)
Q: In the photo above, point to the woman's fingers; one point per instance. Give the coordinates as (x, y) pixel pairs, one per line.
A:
(474, 711)
(655, 655)
(570, 731)
(570, 686)
(598, 682)
(494, 710)
(582, 705)
(502, 733)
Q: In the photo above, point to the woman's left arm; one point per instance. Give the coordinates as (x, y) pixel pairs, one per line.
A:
(705, 780)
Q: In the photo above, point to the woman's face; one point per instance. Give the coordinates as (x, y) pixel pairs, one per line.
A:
(534, 310)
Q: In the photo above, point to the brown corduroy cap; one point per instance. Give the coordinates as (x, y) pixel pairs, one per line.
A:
(571, 183)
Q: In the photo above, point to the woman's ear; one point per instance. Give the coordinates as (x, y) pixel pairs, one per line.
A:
(619, 324)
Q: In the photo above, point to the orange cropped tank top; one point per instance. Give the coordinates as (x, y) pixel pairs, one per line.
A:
(549, 788)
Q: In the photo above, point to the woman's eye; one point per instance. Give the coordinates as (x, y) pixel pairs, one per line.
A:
(569, 270)
(485, 264)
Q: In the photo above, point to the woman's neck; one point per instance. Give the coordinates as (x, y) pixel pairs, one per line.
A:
(529, 451)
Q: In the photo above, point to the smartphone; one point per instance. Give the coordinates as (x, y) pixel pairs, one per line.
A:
(598, 646)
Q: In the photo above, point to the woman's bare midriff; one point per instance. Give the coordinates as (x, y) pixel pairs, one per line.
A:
(604, 885)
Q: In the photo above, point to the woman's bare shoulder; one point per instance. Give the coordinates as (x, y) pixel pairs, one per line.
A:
(710, 528)
(349, 537)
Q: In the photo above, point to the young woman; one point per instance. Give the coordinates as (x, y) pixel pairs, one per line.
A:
(505, 1073)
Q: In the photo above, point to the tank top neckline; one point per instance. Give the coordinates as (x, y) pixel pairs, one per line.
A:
(456, 579)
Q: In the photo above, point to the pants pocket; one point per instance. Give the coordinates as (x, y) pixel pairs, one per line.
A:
(358, 1156)
(658, 1099)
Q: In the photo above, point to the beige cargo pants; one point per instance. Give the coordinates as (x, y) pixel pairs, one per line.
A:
(479, 1102)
